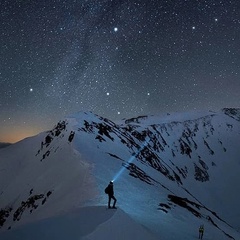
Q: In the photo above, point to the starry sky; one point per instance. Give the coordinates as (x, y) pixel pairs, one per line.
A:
(116, 58)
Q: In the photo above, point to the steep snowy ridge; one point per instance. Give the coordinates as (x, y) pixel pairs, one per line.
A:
(180, 168)
(40, 175)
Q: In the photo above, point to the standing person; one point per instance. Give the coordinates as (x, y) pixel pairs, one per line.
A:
(201, 231)
(109, 190)
(70, 138)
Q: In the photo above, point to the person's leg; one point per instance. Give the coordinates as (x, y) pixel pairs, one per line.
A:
(115, 200)
(109, 201)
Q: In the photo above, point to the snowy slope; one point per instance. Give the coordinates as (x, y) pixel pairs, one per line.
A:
(88, 223)
(180, 170)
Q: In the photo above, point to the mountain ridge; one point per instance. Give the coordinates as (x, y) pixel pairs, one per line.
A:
(163, 159)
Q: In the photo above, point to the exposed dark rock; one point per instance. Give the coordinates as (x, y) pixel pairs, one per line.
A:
(43, 201)
(31, 204)
(49, 193)
(88, 127)
(182, 171)
(214, 164)
(159, 135)
(233, 113)
(115, 156)
(163, 209)
(185, 203)
(164, 205)
(149, 157)
(210, 150)
(185, 148)
(71, 136)
(48, 139)
(104, 130)
(4, 214)
(136, 172)
(46, 154)
(100, 138)
(31, 191)
(201, 174)
(135, 120)
(203, 164)
(141, 136)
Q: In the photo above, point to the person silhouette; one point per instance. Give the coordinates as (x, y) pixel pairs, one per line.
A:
(201, 231)
(110, 193)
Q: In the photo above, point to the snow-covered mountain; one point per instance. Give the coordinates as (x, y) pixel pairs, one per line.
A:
(171, 173)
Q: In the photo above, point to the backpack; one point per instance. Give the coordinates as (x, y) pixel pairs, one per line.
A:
(107, 190)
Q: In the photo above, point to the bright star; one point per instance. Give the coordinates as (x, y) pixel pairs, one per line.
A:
(115, 29)
(108, 93)
(193, 27)
(30, 89)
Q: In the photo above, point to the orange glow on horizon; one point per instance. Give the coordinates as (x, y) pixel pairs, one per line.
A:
(17, 135)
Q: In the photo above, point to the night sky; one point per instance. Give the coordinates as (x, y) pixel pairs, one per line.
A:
(116, 58)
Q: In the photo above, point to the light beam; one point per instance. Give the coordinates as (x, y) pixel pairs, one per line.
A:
(129, 161)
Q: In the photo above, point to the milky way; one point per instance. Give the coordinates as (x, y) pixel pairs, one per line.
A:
(118, 59)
